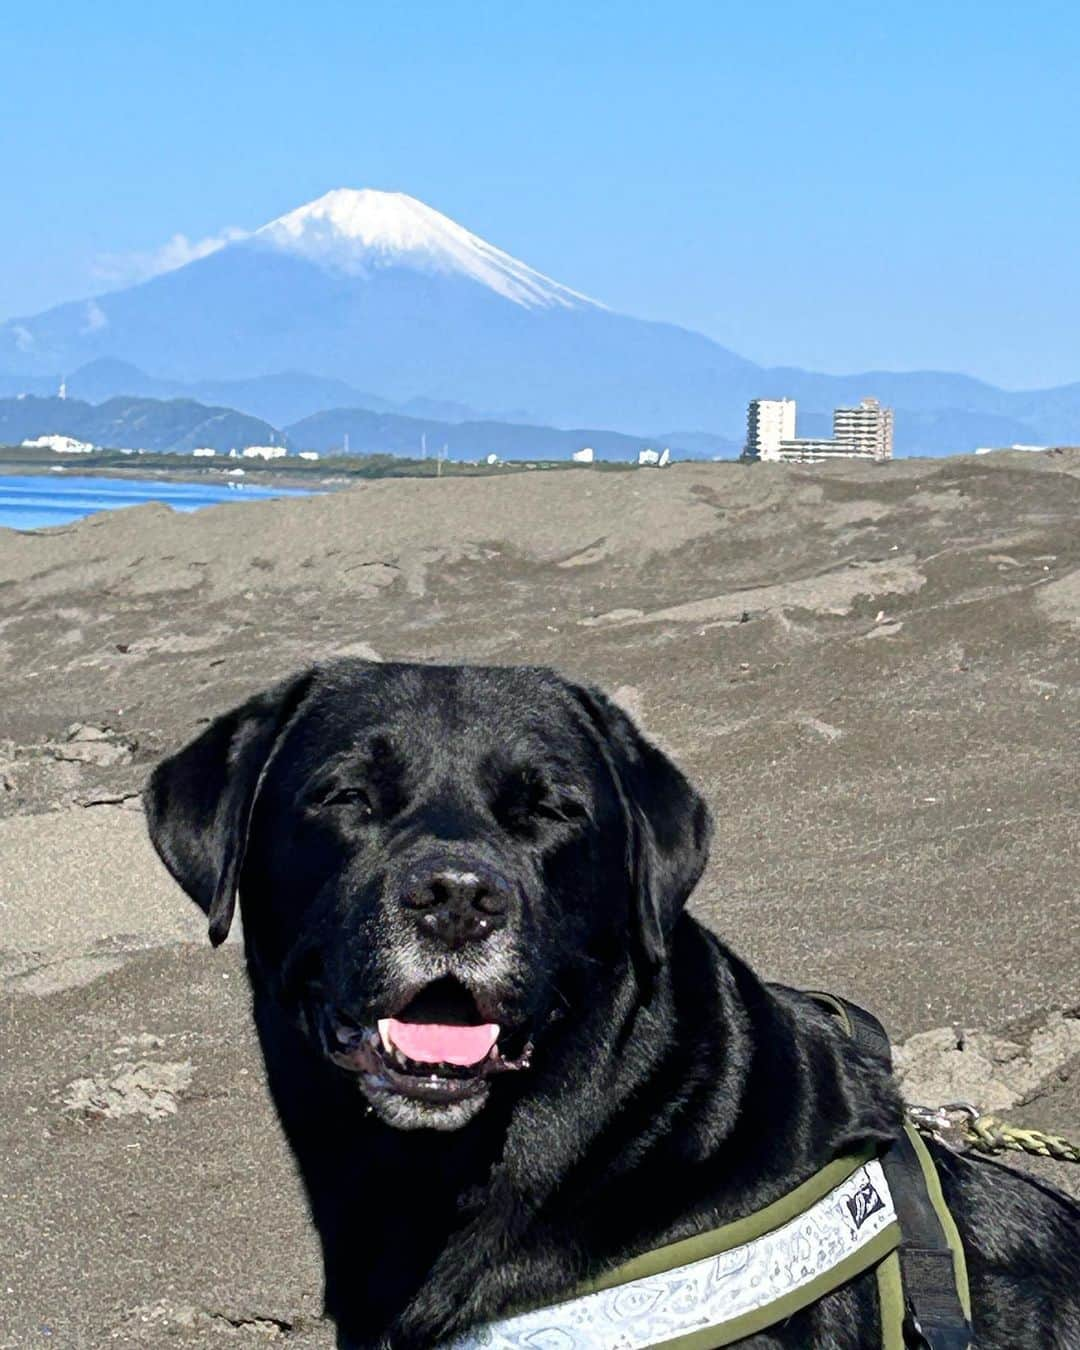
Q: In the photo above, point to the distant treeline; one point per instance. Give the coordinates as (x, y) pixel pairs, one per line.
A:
(353, 466)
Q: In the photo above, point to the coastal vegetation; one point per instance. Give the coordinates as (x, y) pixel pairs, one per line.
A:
(291, 469)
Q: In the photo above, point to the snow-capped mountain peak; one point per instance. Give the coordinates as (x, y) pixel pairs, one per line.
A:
(358, 231)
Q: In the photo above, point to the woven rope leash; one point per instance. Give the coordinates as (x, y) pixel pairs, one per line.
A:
(962, 1123)
(988, 1134)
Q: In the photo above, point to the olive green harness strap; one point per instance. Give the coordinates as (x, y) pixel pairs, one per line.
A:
(931, 1257)
(890, 1290)
(717, 1241)
(923, 1286)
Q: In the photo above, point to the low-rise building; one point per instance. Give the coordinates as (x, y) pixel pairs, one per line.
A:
(813, 449)
(60, 445)
(264, 452)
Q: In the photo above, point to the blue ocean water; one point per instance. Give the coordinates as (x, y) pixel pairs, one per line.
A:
(29, 501)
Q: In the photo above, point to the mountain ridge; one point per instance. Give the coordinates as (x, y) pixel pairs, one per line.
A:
(281, 398)
(176, 425)
(181, 425)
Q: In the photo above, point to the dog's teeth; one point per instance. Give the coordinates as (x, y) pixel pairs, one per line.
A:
(384, 1035)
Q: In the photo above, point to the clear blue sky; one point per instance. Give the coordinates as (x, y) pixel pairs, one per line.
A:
(835, 185)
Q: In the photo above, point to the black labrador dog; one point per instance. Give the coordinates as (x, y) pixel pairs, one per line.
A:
(503, 1055)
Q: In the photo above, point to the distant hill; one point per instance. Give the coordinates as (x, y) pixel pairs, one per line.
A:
(182, 424)
(291, 397)
(179, 425)
(387, 433)
(280, 398)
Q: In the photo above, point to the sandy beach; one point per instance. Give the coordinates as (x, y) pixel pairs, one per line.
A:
(873, 671)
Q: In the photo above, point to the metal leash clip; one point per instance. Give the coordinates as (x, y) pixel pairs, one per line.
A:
(949, 1124)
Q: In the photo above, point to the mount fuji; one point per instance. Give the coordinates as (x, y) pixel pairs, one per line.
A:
(380, 291)
(359, 233)
(377, 291)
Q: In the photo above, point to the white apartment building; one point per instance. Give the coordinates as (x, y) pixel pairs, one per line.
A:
(865, 431)
(768, 422)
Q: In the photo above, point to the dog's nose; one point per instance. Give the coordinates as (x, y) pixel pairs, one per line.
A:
(457, 907)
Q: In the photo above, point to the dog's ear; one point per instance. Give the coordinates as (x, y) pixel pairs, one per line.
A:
(668, 826)
(199, 801)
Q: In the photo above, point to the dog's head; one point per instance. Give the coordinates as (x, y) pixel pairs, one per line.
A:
(437, 866)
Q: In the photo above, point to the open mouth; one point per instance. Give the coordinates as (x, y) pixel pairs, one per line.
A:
(438, 1048)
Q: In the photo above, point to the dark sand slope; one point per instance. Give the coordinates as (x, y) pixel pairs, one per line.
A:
(875, 673)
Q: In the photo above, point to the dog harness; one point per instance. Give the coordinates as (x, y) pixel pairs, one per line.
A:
(873, 1211)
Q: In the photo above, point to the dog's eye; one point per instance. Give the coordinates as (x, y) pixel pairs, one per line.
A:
(355, 798)
(568, 810)
(525, 800)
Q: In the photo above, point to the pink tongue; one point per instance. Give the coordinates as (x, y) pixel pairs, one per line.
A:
(429, 1043)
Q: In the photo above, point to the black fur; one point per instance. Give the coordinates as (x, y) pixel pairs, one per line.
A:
(669, 1088)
